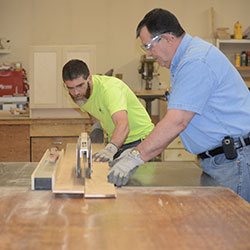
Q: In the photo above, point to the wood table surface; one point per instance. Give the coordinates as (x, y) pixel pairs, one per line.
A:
(140, 218)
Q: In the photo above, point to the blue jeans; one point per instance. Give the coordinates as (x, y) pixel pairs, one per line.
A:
(234, 174)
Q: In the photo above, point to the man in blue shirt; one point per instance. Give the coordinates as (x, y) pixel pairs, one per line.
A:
(208, 106)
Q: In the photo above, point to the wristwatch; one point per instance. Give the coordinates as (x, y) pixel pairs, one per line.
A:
(136, 153)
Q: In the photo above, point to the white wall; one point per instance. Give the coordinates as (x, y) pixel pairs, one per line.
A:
(109, 24)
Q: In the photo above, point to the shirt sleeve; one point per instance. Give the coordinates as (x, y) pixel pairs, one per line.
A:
(192, 86)
(115, 100)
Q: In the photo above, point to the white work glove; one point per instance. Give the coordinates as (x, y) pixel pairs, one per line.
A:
(124, 166)
(106, 154)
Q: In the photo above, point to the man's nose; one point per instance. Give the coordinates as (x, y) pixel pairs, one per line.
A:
(76, 91)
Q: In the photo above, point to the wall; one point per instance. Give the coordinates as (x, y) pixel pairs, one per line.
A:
(109, 24)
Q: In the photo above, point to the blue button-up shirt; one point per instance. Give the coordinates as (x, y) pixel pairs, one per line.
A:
(204, 81)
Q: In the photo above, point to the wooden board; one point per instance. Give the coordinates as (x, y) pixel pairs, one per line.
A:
(66, 181)
(43, 177)
(98, 186)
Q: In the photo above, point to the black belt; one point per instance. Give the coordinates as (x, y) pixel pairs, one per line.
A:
(131, 143)
(219, 150)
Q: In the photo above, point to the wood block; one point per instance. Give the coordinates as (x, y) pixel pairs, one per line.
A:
(43, 177)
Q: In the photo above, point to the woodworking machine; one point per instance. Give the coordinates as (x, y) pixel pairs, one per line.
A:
(147, 70)
(84, 155)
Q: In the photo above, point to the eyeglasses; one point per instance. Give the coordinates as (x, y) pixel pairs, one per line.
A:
(149, 45)
(77, 87)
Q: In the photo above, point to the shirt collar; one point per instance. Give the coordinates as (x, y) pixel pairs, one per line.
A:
(180, 52)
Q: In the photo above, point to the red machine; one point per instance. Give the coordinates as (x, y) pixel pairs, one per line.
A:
(13, 82)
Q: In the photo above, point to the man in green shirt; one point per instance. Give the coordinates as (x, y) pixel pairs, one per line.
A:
(110, 101)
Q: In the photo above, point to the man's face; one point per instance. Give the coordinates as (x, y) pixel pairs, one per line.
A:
(78, 90)
(161, 50)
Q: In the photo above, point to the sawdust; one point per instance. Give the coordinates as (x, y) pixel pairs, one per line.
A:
(66, 224)
(32, 206)
(160, 202)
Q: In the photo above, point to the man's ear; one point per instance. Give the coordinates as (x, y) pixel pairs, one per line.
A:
(90, 79)
(168, 37)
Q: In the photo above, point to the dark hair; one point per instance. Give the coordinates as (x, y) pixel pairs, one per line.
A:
(160, 21)
(74, 69)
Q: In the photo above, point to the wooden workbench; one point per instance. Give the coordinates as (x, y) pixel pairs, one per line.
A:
(140, 218)
(181, 214)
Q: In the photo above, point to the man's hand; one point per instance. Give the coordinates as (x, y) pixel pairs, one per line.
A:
(106, 154)
(124, 166)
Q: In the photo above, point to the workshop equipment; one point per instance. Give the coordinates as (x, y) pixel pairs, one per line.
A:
(84, 152)
(147, 70)
(149, 96)
(43, 176)
(77, 174)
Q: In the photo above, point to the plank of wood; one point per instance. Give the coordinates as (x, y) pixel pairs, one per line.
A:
(66, 181)
(98, 186)
(43, 177)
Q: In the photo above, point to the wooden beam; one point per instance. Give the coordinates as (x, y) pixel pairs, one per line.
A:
(43, 177)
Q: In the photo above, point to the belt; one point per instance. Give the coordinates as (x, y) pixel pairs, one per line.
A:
(131, 143)
(219, 150)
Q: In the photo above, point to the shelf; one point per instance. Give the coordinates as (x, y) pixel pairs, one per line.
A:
(4, 51)
(242, 68)
(233, 41)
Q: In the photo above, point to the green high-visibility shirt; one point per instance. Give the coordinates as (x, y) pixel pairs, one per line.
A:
(111, 95)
